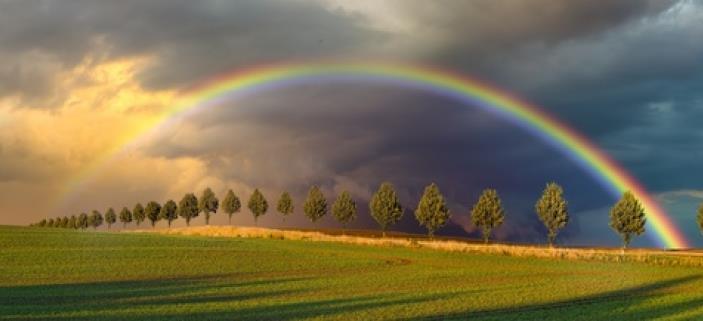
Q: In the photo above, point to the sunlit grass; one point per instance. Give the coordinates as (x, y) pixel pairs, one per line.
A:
(73, 275)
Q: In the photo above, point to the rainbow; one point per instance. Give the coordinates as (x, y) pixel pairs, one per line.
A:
(575, 146)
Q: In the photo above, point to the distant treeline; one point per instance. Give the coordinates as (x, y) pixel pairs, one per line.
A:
(627, 216)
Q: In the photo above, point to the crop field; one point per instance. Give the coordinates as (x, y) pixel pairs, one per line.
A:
(55, 274)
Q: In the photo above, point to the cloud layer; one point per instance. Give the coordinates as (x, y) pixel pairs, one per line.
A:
(79, 76)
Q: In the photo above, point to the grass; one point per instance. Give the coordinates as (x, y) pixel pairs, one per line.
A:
(51, 274)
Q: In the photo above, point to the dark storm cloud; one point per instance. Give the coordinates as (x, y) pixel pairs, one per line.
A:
(492, 29)
(194, 40)
(626, 73)
(354, 136)
(190, 40)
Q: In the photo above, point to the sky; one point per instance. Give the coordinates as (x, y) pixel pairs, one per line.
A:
(80, 77)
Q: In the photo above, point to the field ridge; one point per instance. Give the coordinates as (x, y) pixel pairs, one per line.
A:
(644, 255)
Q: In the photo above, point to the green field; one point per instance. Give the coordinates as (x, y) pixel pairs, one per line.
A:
(72, 275)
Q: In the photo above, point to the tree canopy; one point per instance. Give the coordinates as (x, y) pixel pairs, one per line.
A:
(95, 219)
(231, 204)
(385, 207)
(285, 205)
(110, 217)
(315, 206)
(552, 210)
(487, 213)
(138, 214)
(125, 216)
(168, 212)
(344, 209)
(627, 218)
(208, 203)
(432, 211)
(152, 211)
(257, 204)
(188, 207)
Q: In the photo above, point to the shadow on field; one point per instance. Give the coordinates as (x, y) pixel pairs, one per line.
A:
(608, 306)
(33, 301)
(169, 299)
(223, 297)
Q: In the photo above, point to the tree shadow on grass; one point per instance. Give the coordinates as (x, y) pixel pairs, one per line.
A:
(277, 311)
(23, 302)
(608, 306)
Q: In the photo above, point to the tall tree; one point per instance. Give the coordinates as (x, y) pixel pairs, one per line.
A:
(208, 204)
(95, 219)
(487, 213)
(627, 218)
(110, 217)
(168, 212)
(344, 209)
(432, 211)
(73, 222)
(125, 216)
(83, 221)
(231, 204)
(188, 207)
(385, 206)
(152, 211)
(315, 206)
(552, 210)
(42, 223)
(50, 223)
(700, 218)
(285, 205)
(138, 214)
(257, 204)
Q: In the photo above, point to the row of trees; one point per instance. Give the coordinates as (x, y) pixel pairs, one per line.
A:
(627, 216)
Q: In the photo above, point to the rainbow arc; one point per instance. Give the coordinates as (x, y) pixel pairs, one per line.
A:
(572, 144)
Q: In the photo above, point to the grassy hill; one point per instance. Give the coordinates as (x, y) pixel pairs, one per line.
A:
(72, 275)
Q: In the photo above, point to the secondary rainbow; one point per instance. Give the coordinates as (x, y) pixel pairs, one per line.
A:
(471, 91)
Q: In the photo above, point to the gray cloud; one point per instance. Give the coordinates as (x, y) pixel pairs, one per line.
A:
(353, 136)
(626, 73)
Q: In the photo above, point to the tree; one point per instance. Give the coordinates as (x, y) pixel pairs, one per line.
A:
(208, 204)
(432, 211)
(125, 216)
(83, 221)
(110, 217)
(344, 209)
(95, 219)
(231, 204)
(627, 218)
(188, 207)
(552, 210)
(138, 214)
(257, 204)
(42, 223)
(285, 205)
(385, 206)
(487, 213)
(700, 218)
(73, 222)
(315, 206)
(64, 222)
(168, 212)
(152, 211)
(50, 223)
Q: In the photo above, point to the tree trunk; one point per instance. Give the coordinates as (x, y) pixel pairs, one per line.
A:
(230, 220)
